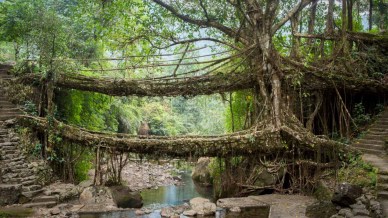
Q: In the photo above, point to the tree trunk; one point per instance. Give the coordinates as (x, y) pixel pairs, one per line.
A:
(295, 40)
(350, 15)
(330, 18)
(311, 25)
(370, 14)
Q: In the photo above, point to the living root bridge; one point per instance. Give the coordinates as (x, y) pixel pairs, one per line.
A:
(169, 86)
(259, 141)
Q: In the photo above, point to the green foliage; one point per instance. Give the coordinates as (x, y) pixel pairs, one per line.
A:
(85, 109)
(356, 171)
(241, 108)
(360, 117)
(82, 166)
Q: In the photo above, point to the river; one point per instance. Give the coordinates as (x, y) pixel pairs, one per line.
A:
(155, 199)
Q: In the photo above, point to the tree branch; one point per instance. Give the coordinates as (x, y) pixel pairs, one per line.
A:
(293, 11)
(201, 23)
(200, 39)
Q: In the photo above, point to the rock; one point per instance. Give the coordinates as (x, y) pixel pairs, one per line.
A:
(358, 206)
(346, 212)
(323, 209)
(190, 213)
(235, 210)
(337, 216)
(9, 194)
(96, 195)
(346, 194)
(244, 202)
(374, 205)
(201, 172)
(265, 178)
(139, 213)
(363, 199)
(55, 211)
(147, 211)
(167, 212)
(125, 198)
(84, 184)
(203, 206)
(360, 212)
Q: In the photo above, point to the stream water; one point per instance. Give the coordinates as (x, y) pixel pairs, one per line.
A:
(155, 199)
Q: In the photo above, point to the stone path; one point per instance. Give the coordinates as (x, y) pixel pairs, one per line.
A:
(15, 170)
(286, 205)
(373, 146)
(7, 109)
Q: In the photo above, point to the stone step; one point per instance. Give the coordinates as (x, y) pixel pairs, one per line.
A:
(4, 104)
(383, 178)
(9, 107)
(8, 117)
(375, 136)
(11, 152)
(44, 198)
(41, 204)
(31, 188)
(31, 194)
(12, 156)
(384, 206)
(12, 181)
(381, 124)
(28, 182)
(382, 187)
(377, 131)
(382, 195)
(7, 144)
(371, 151)
(370, 141)
(10, 148)
(370, 146)
(13, 112)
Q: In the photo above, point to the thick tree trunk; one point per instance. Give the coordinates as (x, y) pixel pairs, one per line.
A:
(295, 40)
(370, 14)
(330, 18)
(350, 15)
(311, 24)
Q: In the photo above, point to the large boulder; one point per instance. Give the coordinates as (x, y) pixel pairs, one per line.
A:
(96, 195)
(346, 194)
(201, 172)
(9, 194)
(125, 198)
(321, 209)
(203, 206)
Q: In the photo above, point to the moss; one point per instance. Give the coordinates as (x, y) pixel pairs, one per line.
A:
(15, 212)
(322, 192)
(358, 172)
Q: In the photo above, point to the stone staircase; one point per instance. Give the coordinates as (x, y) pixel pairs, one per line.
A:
(373, 147)
(16, 173)
(7, 109)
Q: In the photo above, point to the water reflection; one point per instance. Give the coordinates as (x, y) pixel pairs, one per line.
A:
(175, 195)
